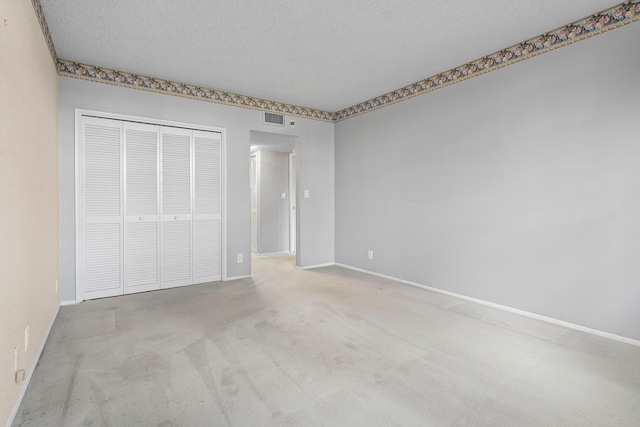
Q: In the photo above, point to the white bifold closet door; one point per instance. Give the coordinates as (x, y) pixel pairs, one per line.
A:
(150, 207)
(142, 227)
(176, 207)
(101, 234)
(207, 224)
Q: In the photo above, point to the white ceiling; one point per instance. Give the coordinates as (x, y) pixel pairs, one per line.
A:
(327, 55)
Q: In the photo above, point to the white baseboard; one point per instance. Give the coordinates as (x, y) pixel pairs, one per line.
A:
(506, 308)
(16, 407)
(308, 267)
(63, 303)
(273, 253)
(236, 278)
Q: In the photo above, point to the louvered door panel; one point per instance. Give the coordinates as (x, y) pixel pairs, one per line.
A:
(206, 248)
(207, 173)
(141, 142)
(100, 245)
(176, 173)
(142, 229)
(176, 253)
(141, 257)
(207, 204)
(177, 197)
(102, 260)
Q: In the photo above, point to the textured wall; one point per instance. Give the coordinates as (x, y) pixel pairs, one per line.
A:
(28, 193)
(520, 187)
(316, 170)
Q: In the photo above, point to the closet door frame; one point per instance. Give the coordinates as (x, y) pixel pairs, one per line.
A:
(79, 114)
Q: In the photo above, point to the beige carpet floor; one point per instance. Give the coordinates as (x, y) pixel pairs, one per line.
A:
(323, 347)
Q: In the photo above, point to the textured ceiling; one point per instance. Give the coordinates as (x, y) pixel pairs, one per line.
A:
(327, 55)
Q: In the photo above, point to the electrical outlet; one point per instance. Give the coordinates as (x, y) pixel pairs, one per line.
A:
(240, 258)
(370, 254)
(26, 339)
(21, 375)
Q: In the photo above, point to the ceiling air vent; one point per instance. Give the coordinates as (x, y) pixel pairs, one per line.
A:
(273, 119)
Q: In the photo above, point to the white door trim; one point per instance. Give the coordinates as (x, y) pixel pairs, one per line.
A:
(293, 196)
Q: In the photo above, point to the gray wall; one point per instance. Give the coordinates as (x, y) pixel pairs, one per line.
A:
(316, 156)
(520, 187)
(267, 141)
(273, 211)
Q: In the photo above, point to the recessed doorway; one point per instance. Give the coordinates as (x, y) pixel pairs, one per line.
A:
(273, 181)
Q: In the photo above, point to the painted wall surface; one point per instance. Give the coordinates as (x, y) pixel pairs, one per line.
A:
(267, 141)
(28, 194)
(273, 211)
(520, 187)
(316, 168)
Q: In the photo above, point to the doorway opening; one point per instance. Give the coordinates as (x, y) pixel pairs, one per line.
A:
(274, 182)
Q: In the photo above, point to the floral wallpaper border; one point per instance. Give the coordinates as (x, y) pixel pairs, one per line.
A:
(121, 78)
(37, 7)
(614, 17)
(606, 20)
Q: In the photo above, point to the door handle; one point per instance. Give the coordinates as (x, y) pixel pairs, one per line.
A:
(141, 218)
(175, 217)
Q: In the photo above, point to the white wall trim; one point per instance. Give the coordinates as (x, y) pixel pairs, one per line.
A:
(558, 322)
(78, 207)
(225, 207)
(228, 279)
(309, 267)
(72, 302)
(16, 407)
